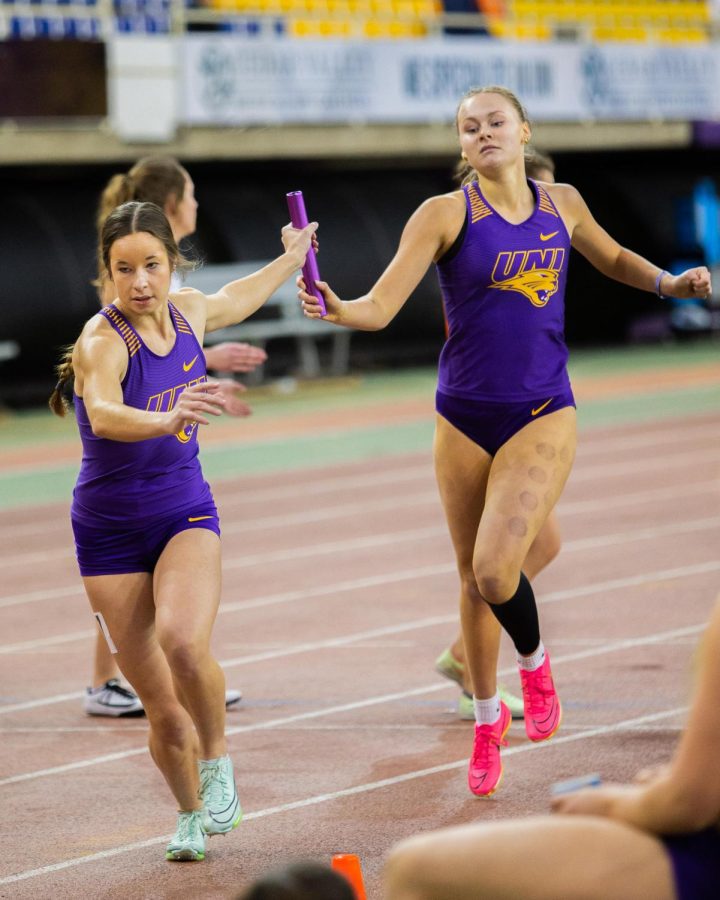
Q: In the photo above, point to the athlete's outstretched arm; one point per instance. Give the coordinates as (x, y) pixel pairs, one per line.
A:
(241, 298)
(428, 233)
(616, 261)
(684, 796)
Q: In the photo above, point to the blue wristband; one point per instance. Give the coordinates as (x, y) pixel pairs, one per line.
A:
(657, 285)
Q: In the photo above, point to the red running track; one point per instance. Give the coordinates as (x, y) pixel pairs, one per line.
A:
(339, 593)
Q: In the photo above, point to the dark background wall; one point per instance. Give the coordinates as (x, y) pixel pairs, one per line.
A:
(47, 243)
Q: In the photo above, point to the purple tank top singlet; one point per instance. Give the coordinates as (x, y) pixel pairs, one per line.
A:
(504, 298)
(123, 482)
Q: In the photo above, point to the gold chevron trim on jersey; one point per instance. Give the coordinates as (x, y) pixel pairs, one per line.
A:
(478, 208)
(128, 335)
(180, 322)
(545, 203)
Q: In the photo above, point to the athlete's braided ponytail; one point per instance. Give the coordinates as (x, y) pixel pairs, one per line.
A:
(58, 402)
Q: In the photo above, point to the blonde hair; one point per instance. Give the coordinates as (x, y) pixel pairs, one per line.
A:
(464, 172)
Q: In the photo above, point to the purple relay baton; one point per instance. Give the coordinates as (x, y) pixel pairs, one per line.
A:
(310, 272)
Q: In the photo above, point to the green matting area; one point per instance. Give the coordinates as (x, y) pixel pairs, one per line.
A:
(45, 482)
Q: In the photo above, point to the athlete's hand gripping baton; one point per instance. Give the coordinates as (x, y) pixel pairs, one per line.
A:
(310, 272)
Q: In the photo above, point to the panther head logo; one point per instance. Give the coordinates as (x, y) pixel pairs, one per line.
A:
(538, 285)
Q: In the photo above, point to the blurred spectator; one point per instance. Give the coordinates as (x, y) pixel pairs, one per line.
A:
(300, 881)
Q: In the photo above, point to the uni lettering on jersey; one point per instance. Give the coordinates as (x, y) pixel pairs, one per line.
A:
(532, 273)
(165, 401)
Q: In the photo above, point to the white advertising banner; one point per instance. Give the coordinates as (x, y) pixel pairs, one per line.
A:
(232, 80)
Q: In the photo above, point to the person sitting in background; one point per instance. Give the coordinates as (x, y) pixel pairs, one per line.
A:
(304, 880)
(658, 838)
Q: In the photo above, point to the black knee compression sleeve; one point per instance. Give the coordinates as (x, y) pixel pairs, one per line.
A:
(519, 617)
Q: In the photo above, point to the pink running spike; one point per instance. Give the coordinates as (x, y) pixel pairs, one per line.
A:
(543, 712)
(485, 768)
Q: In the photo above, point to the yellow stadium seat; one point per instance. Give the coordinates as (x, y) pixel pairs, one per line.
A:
(674, 21)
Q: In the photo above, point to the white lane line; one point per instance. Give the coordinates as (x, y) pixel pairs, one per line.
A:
(362, 583)
(684, 434)
(666, 435)
(368, 787)
(708, 487)
(75, 590)
(325, 548)
(597, 587)
(37, 643)
(318, 548)
(619, 645)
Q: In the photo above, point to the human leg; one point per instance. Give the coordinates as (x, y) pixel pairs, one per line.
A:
(525, 481)
(579, 857)
(104, 666)
(542, 552)
(126, 604)
(451, 662)
(107, 696)
(187, 594)
(461, 468)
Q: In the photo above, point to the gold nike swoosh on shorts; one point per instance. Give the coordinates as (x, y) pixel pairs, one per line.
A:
(534, 412)
(200, 518)
(188, 366)
(546, 237)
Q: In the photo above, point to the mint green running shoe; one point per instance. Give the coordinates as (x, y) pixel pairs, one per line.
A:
(466, 710)
(447, 666)
(188, 842)
(222, 810)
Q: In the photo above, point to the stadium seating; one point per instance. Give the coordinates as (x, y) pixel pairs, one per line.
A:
(674, 21)
(81, 19)
(666, 21)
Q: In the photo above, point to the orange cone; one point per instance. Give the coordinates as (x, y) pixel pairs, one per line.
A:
(348, 865)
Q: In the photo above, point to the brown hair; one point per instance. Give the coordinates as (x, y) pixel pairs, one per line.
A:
(133, 217)
(153, 179)
(536, 162)
(464, 172)
(64, 371)
(129, 218)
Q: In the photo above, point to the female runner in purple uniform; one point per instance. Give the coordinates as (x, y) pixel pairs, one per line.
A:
(658, 838)
(505, 427)
(161, 180)
(145, 523)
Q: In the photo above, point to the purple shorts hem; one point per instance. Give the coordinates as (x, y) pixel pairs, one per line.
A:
(111, 551)
(489, 423)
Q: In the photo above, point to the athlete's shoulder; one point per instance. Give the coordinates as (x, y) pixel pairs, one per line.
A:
(192, 305)
(563, 194)
(570, 204)
(441, 211)
(450, 202)
(99, 343)
(188, 300)
(98, 327)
